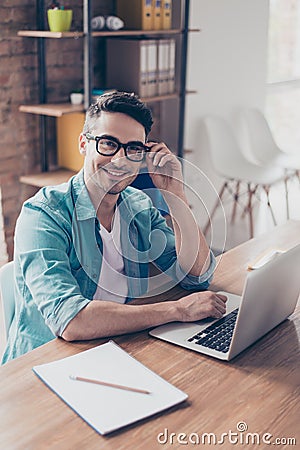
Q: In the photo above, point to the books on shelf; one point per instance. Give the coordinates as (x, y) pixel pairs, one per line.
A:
(146, 67)
(145, 14)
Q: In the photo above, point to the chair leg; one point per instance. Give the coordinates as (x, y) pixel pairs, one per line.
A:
(236, 199)
(286, 178)
(250, 208)
(220, 195)
(267, 189)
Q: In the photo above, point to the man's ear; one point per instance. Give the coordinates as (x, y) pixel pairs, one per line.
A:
(82, 144)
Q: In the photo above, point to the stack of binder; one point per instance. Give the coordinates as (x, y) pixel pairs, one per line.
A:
(145, 14)
(146, 67)
(166, 66)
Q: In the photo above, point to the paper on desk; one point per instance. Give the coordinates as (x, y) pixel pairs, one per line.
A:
(105, 408)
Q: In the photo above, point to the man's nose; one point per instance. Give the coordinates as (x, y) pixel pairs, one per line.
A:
(119, 156)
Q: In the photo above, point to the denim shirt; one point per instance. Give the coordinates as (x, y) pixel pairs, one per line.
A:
(58, 256)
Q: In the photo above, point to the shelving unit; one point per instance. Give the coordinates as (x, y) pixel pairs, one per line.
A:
(43, 109)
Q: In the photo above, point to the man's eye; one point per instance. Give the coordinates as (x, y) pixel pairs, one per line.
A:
(107, 143)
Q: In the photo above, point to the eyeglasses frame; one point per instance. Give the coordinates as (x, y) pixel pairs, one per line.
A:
(90, 136)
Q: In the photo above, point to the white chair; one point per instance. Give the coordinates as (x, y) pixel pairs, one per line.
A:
(261, 147)
(230, 163)
(7, 293)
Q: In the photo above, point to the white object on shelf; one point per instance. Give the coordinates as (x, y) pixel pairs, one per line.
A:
(76, 98)
(112, 23)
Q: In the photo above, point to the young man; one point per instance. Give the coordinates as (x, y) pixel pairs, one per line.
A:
(83, 248)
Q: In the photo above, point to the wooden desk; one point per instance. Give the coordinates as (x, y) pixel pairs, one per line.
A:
(260, 387)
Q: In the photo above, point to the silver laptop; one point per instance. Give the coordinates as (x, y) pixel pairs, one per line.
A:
(269, 296)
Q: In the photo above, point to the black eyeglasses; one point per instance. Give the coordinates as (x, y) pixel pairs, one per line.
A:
(109, 146)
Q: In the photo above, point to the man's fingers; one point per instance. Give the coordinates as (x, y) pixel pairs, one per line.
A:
(221, 308)
(158, 156)
(220, 303)
(222, 297)
(164, 159)
(217, 305)
(217, 314)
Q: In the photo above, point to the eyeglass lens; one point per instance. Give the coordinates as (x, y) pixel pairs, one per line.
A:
(109, 147)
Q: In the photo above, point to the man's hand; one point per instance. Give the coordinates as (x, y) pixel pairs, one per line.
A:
(200, 305)
(164, 168)
(166, 173)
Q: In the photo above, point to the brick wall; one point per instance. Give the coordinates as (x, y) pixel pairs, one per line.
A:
(19, 85)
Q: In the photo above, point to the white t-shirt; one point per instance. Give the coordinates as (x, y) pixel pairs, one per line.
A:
(112, 284)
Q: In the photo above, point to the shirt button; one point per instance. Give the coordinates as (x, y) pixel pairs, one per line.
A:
(94, 275)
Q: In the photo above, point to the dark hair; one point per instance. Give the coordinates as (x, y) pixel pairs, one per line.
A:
(121, 102)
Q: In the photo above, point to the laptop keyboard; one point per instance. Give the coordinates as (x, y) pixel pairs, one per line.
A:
(218, 335)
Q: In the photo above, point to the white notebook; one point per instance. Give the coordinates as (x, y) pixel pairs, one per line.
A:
(107, 408)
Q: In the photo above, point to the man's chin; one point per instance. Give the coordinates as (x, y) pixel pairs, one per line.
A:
(120, 186)
(115, 191)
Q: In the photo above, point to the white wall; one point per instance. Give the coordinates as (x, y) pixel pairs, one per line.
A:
(227, 64)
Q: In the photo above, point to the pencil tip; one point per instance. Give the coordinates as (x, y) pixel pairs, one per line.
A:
(72, 377)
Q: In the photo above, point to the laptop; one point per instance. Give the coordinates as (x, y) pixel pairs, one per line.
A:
(269, 296)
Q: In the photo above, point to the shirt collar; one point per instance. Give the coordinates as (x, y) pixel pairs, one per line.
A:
(84, 207)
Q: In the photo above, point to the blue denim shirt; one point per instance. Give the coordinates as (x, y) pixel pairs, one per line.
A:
(58, 255)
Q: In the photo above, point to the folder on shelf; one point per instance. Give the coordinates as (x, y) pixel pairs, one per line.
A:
(172, 60)
(156, 11)
(143, 70)
(152, 79)
(137, 15)
(137, 60)
(108, 408)
(166, 14)
(163, 66)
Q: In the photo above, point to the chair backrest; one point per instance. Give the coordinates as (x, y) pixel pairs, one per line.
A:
(7, 293)
(227, 157)
(261, 143)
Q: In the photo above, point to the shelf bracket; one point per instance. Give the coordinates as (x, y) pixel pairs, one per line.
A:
(184, 49)
(88, 54)
(40, 22)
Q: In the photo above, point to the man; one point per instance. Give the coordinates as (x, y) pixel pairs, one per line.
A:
(83, 248)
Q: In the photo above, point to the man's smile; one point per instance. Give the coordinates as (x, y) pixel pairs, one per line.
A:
(116, 173)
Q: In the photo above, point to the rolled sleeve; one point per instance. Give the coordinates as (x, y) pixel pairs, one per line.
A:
(64, 312)
(201, 282)
(43, 264)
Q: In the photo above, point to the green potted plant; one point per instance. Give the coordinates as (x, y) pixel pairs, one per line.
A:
(59, 17)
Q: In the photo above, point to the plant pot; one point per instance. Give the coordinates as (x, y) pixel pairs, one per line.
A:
(59, 19)
(76, 98)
